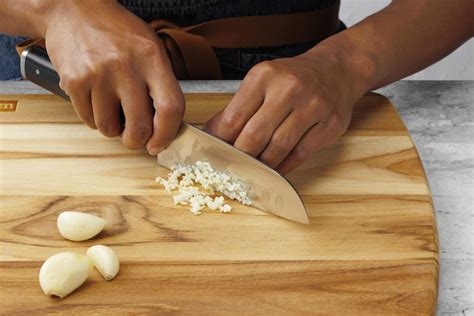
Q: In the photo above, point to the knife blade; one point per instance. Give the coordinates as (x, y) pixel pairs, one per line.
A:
(269, 191)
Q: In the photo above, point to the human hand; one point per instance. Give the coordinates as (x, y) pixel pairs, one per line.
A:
(287, 109)
(109, 60)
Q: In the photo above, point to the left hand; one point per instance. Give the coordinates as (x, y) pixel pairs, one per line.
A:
(287, 109)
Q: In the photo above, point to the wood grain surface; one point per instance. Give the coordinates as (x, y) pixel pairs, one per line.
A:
(371, 247)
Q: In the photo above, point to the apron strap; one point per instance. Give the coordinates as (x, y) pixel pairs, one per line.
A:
(191, 55)
(269, 30)
(191, 48)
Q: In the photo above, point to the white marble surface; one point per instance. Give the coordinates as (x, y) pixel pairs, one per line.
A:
(440, 118)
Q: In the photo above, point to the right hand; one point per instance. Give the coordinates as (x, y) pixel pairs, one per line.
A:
(108, 59)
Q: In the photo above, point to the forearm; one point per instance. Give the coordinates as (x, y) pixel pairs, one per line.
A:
(25, 17)
(399, 40)
(31, 17)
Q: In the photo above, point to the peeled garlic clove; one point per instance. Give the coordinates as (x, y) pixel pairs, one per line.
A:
(79, 226)
(105, 260)
(63, 273)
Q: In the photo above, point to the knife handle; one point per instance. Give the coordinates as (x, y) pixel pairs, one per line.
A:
(36, 66)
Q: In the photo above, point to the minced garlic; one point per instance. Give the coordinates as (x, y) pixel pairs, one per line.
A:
(183, 178)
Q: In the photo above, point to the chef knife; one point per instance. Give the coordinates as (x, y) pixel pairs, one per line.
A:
(268, 190)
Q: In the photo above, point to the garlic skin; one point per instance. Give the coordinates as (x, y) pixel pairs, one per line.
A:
(105, 260)
(77, 226)
(63, 273)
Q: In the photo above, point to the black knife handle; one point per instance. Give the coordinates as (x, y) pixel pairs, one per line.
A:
(36, 66)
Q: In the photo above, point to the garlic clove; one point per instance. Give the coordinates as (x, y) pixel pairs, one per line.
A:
(79, 226)
(105, 260)
(63, 273)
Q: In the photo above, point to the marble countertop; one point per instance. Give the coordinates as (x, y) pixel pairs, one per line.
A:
(440, 118)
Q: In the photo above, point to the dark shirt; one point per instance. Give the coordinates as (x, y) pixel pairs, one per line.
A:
(190, 12)
(234, 63)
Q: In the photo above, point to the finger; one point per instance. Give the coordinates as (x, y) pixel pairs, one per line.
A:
(228, 123)
(138, 113)
(106, 108)
(83, 107)
(314, 140)
(80, 96)
(169, 105)
(285, 138)
(259, 129)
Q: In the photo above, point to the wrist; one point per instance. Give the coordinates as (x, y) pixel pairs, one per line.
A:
(47, 12)
(357, 67)
(41, 12)
(25, 18)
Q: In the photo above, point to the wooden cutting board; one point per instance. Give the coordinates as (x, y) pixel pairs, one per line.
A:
(371, 247)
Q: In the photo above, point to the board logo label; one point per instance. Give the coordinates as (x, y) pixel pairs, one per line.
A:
(8, 105)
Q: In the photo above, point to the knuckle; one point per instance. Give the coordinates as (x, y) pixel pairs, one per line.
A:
(64, 80)
(232, 119)
(259, 130)
(223, 128)
(90, 68)
(292, 85)
(73, 79)
(150, 48)
(263, 68)
(170, 109)
(314, 102)
(117, 61)
(93, 73)
(138, 133)
(316, 107)
(300, 153)
(253, 132)
(283, 142)
(256, 135)
(337, 123)
(70, 82)
(294, 82)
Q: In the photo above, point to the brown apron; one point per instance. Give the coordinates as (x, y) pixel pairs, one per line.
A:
(191, 48)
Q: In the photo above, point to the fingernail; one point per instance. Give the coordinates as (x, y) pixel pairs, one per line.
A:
(156, 151)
